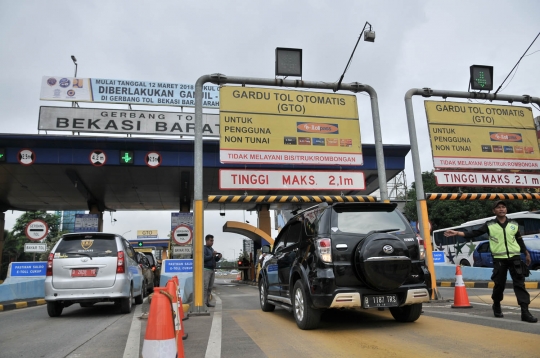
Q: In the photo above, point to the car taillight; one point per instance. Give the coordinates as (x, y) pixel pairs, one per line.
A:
(49, 264)
(120, 263)
(324, 246)
(421, 247)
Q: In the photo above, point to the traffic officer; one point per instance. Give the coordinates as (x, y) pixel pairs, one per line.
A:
(506, 244)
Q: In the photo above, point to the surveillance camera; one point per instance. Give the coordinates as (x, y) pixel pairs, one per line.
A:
(222, 214)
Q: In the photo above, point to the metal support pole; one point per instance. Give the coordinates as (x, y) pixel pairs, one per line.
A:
(421, 205)
(220, 79)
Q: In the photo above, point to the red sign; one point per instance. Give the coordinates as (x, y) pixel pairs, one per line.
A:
(36, 230)
(182, 234)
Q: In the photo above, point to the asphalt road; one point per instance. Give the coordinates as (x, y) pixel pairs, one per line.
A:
(245, 331)
(79, 332)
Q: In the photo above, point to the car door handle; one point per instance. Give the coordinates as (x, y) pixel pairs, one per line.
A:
(341, 246)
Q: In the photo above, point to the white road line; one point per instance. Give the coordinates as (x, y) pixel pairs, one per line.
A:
(134, 338)
(213, 350)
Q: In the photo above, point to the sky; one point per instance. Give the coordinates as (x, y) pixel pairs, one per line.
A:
(418, 44)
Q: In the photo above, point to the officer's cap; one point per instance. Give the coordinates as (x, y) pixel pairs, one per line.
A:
(499, 202)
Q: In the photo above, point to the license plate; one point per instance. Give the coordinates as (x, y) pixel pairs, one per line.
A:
(389, 300)
(84, 273)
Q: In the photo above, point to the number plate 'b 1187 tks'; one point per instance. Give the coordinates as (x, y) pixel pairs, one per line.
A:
(370, 301)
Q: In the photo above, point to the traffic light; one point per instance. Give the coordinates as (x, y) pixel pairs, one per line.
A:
(481, 77)
(127, 157)
(140, 244)
(2, 154)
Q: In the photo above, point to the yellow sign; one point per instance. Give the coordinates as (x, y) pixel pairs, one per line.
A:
(260, 125)
(485, 136)
(147, 234)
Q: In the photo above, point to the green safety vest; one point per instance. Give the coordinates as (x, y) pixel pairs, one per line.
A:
(502, 242)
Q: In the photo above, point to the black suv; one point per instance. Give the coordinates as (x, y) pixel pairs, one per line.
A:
(345, 255)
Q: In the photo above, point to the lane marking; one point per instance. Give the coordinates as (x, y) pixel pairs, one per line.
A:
(134, 337)
(213, 350)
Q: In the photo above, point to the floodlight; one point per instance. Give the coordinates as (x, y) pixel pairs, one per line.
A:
(369, 36)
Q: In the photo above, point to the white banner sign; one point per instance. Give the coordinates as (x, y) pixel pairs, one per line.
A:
(55, 88)
(497, 179)
(35, 247)
(181, 250)
(119, 121)
(291, 180)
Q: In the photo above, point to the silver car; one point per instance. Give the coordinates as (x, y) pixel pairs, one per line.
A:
(87, 268)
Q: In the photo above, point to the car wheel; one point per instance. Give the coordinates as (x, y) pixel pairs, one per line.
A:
(263, 295)
(464, 263)
(126, 303)
(406, 313)
(306, 317)
(86, 304)
(54, 309)
(140, 298)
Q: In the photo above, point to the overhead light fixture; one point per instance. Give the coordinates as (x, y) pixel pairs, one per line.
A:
(369, 36)
(222, 210)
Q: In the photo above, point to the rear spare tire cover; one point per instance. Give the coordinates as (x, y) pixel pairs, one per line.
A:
(382, 261)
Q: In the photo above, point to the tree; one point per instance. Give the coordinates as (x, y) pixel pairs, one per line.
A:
(446, 213)
(14, 241)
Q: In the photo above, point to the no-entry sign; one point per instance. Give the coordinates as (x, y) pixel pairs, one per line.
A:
(182, 234)
(36, 230)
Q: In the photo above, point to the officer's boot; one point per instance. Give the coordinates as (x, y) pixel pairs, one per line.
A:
(497, 311)
(526, 315)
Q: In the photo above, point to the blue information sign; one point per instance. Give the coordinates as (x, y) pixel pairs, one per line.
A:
(172, 266)
(28, 269)
(438, 257)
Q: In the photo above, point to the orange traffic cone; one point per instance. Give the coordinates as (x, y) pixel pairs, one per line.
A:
(461, 300)
(159, 339)
(239, 276)
(180, 304)
(171, 288)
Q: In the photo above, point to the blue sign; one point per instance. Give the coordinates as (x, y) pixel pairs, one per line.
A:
(28, 269)
(172, 266)
(438, 257)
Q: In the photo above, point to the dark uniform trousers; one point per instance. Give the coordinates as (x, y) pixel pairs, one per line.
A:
(500, 271)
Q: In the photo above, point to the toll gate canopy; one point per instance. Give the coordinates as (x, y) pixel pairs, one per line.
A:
(57, 172)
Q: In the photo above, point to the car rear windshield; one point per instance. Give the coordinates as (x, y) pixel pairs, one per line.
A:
(150, 258)
(365, 221)
(87, 245)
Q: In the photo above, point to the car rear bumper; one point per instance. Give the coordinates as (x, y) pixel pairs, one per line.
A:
(353, 298)
(120, 289)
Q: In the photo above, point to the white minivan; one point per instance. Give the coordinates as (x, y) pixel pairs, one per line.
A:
(87, 268)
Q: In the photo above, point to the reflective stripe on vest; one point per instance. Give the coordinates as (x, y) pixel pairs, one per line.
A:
(497, 242)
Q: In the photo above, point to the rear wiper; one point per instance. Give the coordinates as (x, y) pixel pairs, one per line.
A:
(78, 253)
(384, 230)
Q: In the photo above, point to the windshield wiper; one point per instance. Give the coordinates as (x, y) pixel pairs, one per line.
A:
(384, 230)
(78, 253)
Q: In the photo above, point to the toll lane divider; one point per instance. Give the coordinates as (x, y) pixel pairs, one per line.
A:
(22, 304)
